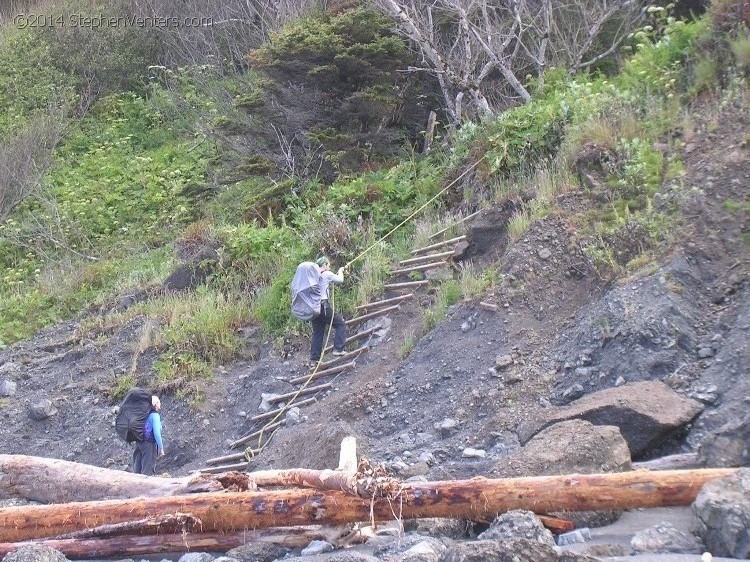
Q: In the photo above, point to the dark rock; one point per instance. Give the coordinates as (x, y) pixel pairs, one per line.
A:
(573, 392)
(722, 509)
(460, 250)
(440, 527)
(727, 447)
(647, 413)
(489, 230)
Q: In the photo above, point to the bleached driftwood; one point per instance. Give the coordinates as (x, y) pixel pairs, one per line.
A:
(57, 481)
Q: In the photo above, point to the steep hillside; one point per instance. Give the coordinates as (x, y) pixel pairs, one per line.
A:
(565, 326)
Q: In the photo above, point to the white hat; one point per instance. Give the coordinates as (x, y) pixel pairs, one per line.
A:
(155, 402)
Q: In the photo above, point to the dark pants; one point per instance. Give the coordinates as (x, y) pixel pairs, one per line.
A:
(144, 458)
(320, 326)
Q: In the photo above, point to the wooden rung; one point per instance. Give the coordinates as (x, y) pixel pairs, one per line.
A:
(371, 315)
(357, 336)
(338, 359)
(225, 468)
(447, 228)
(267, 430)
(308, 390)
(409, 285)
(419, 259)
(283, 409)
(489, 306)
(386, 302)
(423, 267)
(439, 245)
(313, 376)
(234, 457)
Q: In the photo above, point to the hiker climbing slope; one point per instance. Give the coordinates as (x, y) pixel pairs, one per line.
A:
(321, 322)
(311, 301)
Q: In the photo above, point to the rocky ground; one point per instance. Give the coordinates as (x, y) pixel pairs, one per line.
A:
(470, 394)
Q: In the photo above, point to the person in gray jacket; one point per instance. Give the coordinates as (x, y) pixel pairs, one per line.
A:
(321, 322)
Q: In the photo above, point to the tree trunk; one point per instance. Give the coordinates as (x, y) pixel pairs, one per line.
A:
(190, 542)
(476, 499)
(64, 481)
(429, 133)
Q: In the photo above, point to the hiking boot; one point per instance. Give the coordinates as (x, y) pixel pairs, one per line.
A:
(339, 352)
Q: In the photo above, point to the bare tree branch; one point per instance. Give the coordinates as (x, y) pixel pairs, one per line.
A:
(482, 47)
(25, 156)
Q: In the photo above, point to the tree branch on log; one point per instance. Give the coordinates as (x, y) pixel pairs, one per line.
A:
(479, 499)
(367, 482)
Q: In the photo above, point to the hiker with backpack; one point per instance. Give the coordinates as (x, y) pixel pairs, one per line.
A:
(139, 421)
(311, 301)
(151, 447)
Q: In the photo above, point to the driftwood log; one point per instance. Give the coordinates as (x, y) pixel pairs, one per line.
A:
(189, 542)
(56, 481)
(477, 499)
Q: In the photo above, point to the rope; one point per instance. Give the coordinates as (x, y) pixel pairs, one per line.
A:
(333, 293)
(407, 219)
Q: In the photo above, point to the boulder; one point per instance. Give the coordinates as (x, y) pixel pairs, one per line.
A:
(663, 539)
(41, 409)
(568, 447)
(722, 509)
(511, 550)
(257, 552)
(647, 413)
(429, 550)
(35, 553)
(518, 524)
(729, 446)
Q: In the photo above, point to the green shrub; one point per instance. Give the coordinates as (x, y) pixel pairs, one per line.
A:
(203, 325)
(741, 50)
(29, 84)
(102, 59)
